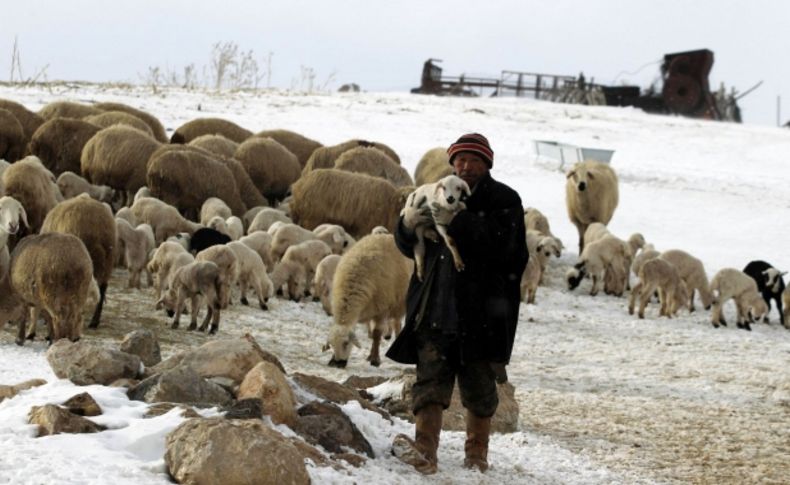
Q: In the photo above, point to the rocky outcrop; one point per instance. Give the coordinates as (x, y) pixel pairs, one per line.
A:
(325, 424)
(180, 385)
(267, 383)
(334, 392)
(85, 363)
(83, 405)
(144, 344)
(52, 419)
(7, 392)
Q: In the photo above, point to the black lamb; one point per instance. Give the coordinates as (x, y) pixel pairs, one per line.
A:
(769, 283)
(206, 237)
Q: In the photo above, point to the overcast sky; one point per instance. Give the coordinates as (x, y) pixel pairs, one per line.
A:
(381, 45)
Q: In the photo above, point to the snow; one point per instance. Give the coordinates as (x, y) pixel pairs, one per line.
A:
(604, 397)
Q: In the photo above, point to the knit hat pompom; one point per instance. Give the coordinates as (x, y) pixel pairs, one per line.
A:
(475, 143)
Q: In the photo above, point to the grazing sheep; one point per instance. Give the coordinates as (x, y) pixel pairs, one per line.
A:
(157, 130)
(209, 126)
(53, 273)
(111, 118)
(325, 157)
(216, 144)
(163, 218)
(261, 243)
(335, 236)
(530, 279)
(71, 185)
(271, 166)
(370, 284)
(615, 277)
(786, 310)
(138, 242)
(647, 253)
(769, 283)
(286, 236)
(59, 144)
(118, 157)
(355, 201)
(126, 214)
(249, 216)
(606, 254)
(93, 223)
(692, 272)
(297, 144)
(534, 220)
(214, 207)
(732, 283)
(231, 227)
(433, 166)
(141, 192)
(591, 195)
(186, 178)
(198, 280)
(659, 274)
(265, 218)
(67, 109)
(375, 162)
(289, 279)
(206, 237)
(542, 247)
(228, 265)
(252, 273)
(161, 263)
(12, 137)
(30, 183)
(322, 282)
(29, 120)
(308, 254)
(11, 214)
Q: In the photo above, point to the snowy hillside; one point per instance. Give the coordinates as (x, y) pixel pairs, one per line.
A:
(604, 397)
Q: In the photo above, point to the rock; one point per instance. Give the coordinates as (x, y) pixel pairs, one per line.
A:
(266, 382)
(355, 460)
(180, 385)
(144, 344)
(363, 382)
(244, 409)
(52, 419)
(127, 383)
(226, 383)
(325, 424)
(83, 405)
(313, 454)
(85, 363)
(160, 408)
(336, 393)
(232, 452)
(7, 392)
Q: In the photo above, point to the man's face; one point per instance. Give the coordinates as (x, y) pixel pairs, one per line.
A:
(470, 167)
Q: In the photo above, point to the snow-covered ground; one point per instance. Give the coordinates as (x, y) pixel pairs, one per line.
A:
(604, 397)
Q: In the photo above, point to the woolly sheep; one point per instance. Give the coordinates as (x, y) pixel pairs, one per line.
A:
(647, 253)
(216, 144)
(541, 247)
(3, 166)
(163, 218)
(355, 201)
(252, 273)
(692, 272)
(232, 226)
(732, 283)
(141, 192)
(291, 276)
(308, 254)
(161, 263)
(228, 265)
(608, 253)
(534, 220)
(30, 184)
(591, 195)
(261, 243)
(93, 223)
(214, 207)
(209, 126)
(287, 235)
(379, 230)
(110, 118)
(12, 137)
(138, 242)
(71, 185)
(67, 109)
(297, 144)
(271, 166)
(786, 309)
(659, 274)
(769, 284)
(126, 214)
(29, 120)
(59, 144)
(370, 284)
(433, 166)
(375, 162)
(335, 236)
(11, 215)
(249, 216)
(325, 157)
(157, 130)
(276, 225)
(197, 280)
(322, 282)
(614, 276)
(530, 279)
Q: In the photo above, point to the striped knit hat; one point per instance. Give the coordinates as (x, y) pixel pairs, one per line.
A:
(475, 143)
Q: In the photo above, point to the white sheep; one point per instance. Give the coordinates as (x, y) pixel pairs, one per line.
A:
(138, 243)
(261, 243)
(161, 263)
(251, 272)
(11, 214)
(308, 254)
(249, 216)
(335, 236)
(228, 265)
(265, 218)
(659, 274)
(647, 253)
(289, 279)
(322, 283)
(214, 207)
(163, 218)
(198, 280)
(733, 283)
(530, 279)
(142, 192)
(380, 230)
(591, 195)
(606, 254)
(693, 274)
(288, 235)
(71, 185)
(786, 306)
(30, 183)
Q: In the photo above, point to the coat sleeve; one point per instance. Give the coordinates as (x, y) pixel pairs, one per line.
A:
(405, 239)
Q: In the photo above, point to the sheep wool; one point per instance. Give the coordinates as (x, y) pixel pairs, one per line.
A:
(209, 126)
(299, 145)
(110, 118)
(271, 166)
(12, 137)
(29, 120)
(433, 166)
(59, 143)
(157, 130)
(375, 162)
(591, 195)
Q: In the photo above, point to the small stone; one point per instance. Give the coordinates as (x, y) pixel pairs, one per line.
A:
(52, 419)
(83, 405)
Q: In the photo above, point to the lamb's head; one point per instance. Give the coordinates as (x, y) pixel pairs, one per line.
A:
(11, 212)
(548, 246)
(579, 177)
(450, 191)
(773, 278)
(341, 339)
(757, 307)
(218, 224)
(575, 275)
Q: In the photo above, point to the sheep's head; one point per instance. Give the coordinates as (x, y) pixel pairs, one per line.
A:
(758, 308)
(341, 339)
(11, 212)
(579, 177)
(450, 191)
(574, 276)
(548, 246)
(773, 278)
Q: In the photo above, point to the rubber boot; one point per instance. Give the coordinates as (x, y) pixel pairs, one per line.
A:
(476, 446)
(421, 452)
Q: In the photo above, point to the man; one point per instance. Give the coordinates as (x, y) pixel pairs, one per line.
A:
(462, 324)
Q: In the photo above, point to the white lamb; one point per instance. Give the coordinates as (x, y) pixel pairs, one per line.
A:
(289, 279)
(214, 207)
(161, 262)
(261, 243)
(138, 243)
(733, 283)
(252, 272)
(265, 218)
(288, 235)
(530, 279)
(308, 254)
(659, 274)
(11, 214)
(197, 281)
(786, 306)
(692, 272)
(446, 193)
(228, 265)
(335, 236)
(606, 254)
(322, 283)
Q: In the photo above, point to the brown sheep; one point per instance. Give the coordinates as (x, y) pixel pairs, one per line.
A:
(271, 166)
(375, 162)
(209, 126)
(325, 157)
(29, 120)
(29, 182)
(433, 166)
(93, 223)
(59, 143)
(52, 272)
(12, 137)
(157, 129)
(67, 109)
(110, 118)
(591, 195)
(355, 201)
(216, 144)
(163, 218)
(299, 145)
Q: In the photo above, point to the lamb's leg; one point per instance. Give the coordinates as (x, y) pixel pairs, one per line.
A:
(778, 300)
(644, 298)
(632, 298)
(691, 300)
(662, 302)
(214, 320)
(20, 333)
(531, 295)
(179, 305)
(97, 314)
(194, 309)
(32, 321)
(459, 263)
(374, 358)
(258, 287)
(243, 290)
(768, 304)
(595, 278)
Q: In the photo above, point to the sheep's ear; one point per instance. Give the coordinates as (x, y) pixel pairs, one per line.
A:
(466, 189)
(570, 174)
(160, 304)
(23, 216)
(353, 339)
(439, 186)
(326, 347)
(590, 176)
(783, 273)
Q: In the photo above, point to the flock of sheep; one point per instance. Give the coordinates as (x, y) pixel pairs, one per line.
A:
(86, 188)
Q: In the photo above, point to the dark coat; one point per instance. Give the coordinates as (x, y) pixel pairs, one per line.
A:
(478, 306)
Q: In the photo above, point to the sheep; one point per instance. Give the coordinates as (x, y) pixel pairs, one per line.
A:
(591, 195)
(769, 283)
(606, 254)
(209, 126)
(163, 218)
(29, 120)
(126, 214)
(252, 272)
(379, 230)
(541, 247)
(71, 185)
(3, 166)
(138, 242)
(12, 137)
(530, 279)
(615, 276)
(118, 157)
(659, 274)
(433, 166)
(265, 218)
(534, 220)
(67, 109)
(786, 310)
(196, 280)
(157, 130)
(214, 207)
(216, 144)
(355, 201)
(30, 183)
(206, 237)
(325, 157)
(231, 227)
(182, 238)
(261, 243)
(53, 273)
(308, 254)
(335, 236)
(647, 253)
(732, 283)
(141, 192)
(59, 144)
(11, 215)
(161, 263)
(370, 284)
(228, 265)
(110, 118)
(297, 144)
(93, 223)
(249, 216)
(290, 275)
(186, 178)
(287, 235)
(271, 166)
(692, 272)
(375, 162)
(322, 282)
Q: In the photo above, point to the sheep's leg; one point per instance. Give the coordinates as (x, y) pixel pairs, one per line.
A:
(450, 242)
(778, 300)
(716, 317)
(768, 304)
(644, 298)
(632, 298)
(595, 278)
(419, 254)
(243, 290)
(214, 322)
(194, 309)
(531, 295)
(20, 333)
(32, 321)
(97, 314)
(258, 287)
(179, 306)
(374, 358)
(662, 302)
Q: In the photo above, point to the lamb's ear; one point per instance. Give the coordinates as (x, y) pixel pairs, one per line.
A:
(570, 174)
(352, 337)
(160, 304)
(23, 216)
(326, 347)
(466, 189)
(783, 273)
(439, 186)
(590, 176)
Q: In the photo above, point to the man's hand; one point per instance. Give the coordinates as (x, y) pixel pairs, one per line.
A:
(443, 216)
(415, 216)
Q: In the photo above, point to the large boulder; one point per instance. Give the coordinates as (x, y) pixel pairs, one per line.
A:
(180, 385)
(85, 363)
(325, 424)
(232, 452)
(52, 419)
(267, 383)
(144, 344)
(7, 392)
